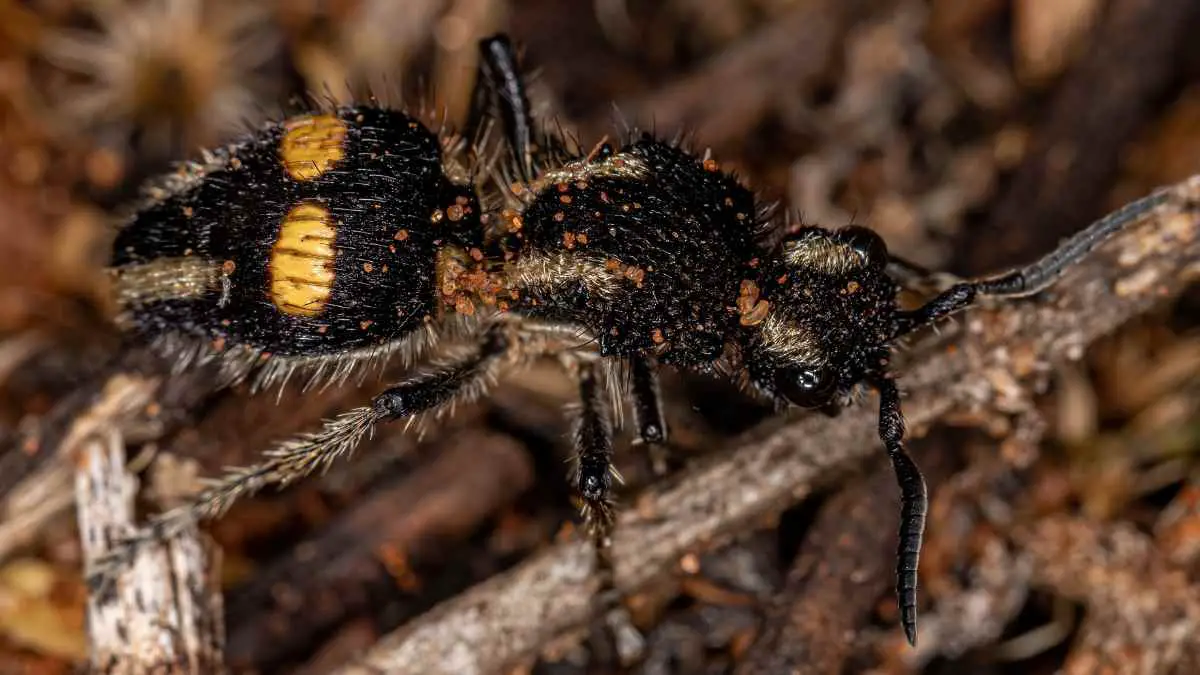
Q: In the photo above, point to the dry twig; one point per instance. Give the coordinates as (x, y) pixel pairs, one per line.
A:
(509, 617)
(46, 492)
(166, 614)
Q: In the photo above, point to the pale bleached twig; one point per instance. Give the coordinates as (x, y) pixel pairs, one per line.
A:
(164, 614)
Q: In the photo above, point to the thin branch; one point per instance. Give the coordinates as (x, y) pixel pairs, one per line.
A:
(509, 617)
(166, 614)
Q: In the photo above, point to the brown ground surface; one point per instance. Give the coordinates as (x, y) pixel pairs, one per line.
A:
(971, 135)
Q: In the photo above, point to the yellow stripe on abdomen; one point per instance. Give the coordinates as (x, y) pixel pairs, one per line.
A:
(312, 145)
(301, 266)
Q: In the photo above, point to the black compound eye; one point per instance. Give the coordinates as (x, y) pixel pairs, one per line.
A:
(869, 245)
(806, 387)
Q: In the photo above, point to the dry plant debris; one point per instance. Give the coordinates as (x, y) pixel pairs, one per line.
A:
(971, 135)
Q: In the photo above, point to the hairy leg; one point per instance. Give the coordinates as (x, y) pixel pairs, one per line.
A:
(593, 441)
(647, 412)
(457, 380)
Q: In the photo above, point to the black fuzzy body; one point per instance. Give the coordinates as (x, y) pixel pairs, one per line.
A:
(384, 197)
(676, 239)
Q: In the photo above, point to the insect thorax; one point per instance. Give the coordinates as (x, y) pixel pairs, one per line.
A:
(646, 247)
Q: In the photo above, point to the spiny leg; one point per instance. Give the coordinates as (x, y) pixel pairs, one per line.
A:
(1032, 278)
(455, 382)
(913, 503)
(957, 297)
(499, 86)
(647, 411)
(432, 392)
(501, 89)
(593, 450)
(593, 438)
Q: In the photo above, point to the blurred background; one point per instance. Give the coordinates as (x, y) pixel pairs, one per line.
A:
(971, 135)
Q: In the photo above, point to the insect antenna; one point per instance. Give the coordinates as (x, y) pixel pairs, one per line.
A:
(1030, 279)
(498, 66)
(1037, 276)
(914, 503)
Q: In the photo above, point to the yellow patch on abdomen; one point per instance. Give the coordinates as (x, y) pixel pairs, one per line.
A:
(312, 145)
(302, 261)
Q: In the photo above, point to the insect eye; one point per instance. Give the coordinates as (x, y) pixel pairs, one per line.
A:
(869, 245)
(806, 387)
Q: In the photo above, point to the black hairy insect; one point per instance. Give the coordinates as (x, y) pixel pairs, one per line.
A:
(356, 237)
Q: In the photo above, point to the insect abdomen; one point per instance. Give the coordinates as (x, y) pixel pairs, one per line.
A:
(314, 236)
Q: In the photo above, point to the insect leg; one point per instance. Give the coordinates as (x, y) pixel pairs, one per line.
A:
(500, 87)
(914, 503)
(594, 449)
(440, 389)
(432, 392)
(957, 297)
(593, 439)
(647, 411)
(502, 90)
